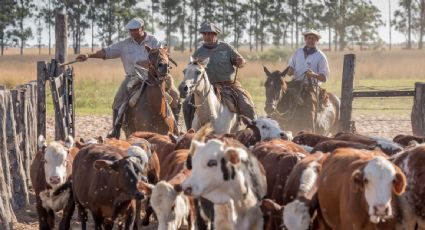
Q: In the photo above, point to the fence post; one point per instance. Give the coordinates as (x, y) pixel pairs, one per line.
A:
(19, 183)
(6, 198)
(41, 98)
(347, 92)
(418, 110)
(61, 37)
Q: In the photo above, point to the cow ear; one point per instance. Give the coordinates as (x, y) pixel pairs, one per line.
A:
(191, 130)
(100, 140)
(145, 188)
(235, 155)
(357, 179)
(172, 137)
(178, 188)
(104, 164)
(399, 183)
(80, 144)
(69, 142)
(246, 120)
(195, 145)
(269, 207)
(41, 142)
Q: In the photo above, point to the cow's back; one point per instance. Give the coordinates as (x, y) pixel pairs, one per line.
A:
(91, 187)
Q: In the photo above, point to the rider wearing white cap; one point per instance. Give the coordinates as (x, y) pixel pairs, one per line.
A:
(131, 51)
(309, 68)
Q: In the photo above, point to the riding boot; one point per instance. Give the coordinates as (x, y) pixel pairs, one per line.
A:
(116, 126)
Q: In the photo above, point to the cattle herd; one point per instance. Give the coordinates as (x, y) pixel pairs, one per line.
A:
(257, 178)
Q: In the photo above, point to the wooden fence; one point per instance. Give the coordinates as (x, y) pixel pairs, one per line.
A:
(23, 119)
(348, 95)
(18, 144)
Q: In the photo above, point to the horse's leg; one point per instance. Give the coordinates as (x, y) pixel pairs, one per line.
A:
(195, 123)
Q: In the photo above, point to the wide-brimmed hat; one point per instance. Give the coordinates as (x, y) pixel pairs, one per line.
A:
(312, 32)
(134, 23)
(209, 27)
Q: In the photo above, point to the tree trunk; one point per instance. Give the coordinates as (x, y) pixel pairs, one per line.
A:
(330, 38)
(409, 25)
(422, 28)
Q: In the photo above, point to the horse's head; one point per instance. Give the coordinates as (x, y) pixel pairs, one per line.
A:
(275, 88)
(193, 75)
(159, 61)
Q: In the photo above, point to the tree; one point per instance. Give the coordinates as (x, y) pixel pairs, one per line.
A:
(170, 10)
(47, 13)
(403, 19)
(39, 35)
(24, 10)
(7, 18)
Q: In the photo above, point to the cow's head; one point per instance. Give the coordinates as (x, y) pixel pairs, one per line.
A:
(308, 138)
(378, 179)
(56, 160)
(130, 171)
(169, 205)
(270, 129)
(215, 172)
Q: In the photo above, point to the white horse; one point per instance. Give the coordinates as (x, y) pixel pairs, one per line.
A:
(208, 107)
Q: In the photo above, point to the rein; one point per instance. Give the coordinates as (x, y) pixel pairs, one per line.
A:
(193, 92)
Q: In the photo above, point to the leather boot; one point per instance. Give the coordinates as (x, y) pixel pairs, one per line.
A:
(116, 129)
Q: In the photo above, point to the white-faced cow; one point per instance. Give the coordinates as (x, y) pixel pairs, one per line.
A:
(227, 173)
(357, 190)
(50, 170)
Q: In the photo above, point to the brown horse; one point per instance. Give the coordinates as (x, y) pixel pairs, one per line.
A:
(291, 115)
(152, 112)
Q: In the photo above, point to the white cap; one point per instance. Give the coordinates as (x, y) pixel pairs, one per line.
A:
(313, 32)
(134, 23)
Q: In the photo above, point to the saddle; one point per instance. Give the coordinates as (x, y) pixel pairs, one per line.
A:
(299, 91)
(227, 95)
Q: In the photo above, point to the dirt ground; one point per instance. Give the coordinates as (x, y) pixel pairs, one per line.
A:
(92, 126)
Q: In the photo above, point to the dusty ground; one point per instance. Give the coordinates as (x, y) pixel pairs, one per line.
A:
(93, 126)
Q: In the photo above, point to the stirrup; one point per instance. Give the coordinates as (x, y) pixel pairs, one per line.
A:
(114, 133)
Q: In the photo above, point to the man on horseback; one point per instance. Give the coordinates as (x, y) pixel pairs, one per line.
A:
(224, 61)
(132, 51)
(309, 68)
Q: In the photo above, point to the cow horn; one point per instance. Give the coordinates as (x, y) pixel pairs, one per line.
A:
(200, 136)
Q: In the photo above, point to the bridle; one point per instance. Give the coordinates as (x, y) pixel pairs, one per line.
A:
(199, 78)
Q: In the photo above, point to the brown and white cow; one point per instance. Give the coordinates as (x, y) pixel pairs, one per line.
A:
(300, 195)
(278, 158)
(105, 180)
(357, 190)
(330, 145)
(412, 202)
(173, 209)
(49, 172)
(404, 140)
(228, 174)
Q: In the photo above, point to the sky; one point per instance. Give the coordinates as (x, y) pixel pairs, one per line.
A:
(383, 6)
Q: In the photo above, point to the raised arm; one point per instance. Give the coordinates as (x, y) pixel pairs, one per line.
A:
(99, 54)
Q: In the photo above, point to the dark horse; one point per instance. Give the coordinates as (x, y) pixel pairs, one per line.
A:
(292, 117)
(152, 112)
